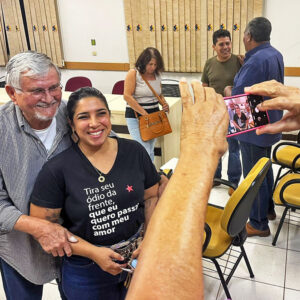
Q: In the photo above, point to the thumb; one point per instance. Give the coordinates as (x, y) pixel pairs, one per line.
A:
(135, 253)
(116, 256)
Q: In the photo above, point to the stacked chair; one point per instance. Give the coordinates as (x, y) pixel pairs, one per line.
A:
(287, 185)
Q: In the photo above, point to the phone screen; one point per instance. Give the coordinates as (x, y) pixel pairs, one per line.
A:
(244, 115)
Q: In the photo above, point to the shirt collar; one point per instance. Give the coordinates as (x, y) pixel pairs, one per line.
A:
(20, 118)
(254, 50)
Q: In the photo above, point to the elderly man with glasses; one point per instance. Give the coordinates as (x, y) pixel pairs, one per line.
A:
(33, 129)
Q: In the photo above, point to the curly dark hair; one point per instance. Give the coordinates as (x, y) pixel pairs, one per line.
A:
(146, 56)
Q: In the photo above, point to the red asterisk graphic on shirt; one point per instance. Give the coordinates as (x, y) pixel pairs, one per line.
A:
(129, 188)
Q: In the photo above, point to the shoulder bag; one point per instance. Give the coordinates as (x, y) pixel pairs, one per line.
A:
(155, 124)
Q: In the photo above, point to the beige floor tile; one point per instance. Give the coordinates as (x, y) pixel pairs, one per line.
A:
(292, 270)
(241, 289)
(291, 294)
(267, 262)
(211, 288)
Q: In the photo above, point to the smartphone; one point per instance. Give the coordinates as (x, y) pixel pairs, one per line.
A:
(244, 116)
(133, 263)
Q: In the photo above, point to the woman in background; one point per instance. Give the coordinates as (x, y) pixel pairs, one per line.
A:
(138, 95)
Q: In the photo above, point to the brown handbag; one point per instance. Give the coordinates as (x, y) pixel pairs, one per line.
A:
(155, 124)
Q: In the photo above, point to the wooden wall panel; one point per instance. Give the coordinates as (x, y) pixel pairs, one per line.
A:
(129, 32)
(243, 24)
(186, 41)
(236, 26)
(145, 24)
(229, 17)
(164, 33)
(157, 25)
(187, 31)
(170, 36)
(182, 36)
(210, 24)
(176, 35)
(193, 35)
(203, 26)
(3, 51)
(151, 20)
(198, 36)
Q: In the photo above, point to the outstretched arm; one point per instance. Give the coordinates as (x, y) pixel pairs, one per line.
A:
(170, 264)
(284, 98)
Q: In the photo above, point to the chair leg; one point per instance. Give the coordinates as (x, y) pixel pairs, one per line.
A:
(279, 226)
(234, 268)
(277, 178)
(221, 278)
(247, 261)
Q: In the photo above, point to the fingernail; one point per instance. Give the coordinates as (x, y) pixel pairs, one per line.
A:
(72, 239)
(195, 80)
(247, 88)
(183, 79)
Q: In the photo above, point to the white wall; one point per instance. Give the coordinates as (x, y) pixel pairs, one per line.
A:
(284, 16)
(83, 20)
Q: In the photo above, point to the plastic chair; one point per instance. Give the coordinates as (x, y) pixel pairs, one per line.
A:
(287, 155)
(228, 223)
(76, 83)
(118, 88)
(287, 193)
(170, 88)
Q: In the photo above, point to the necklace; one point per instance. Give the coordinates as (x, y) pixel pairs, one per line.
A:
(101, 178)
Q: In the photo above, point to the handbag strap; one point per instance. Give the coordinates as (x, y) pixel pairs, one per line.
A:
(153, 91)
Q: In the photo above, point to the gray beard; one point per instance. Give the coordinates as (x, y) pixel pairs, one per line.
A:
(45, 118)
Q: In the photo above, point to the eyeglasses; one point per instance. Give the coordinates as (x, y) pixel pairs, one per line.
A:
(53, 91)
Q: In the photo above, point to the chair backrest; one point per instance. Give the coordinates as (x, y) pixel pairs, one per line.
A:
(170, 88)
(118, 88)
(76, 83)
(238, 207)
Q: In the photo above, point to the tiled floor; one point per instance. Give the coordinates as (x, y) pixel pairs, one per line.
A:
(276, 269)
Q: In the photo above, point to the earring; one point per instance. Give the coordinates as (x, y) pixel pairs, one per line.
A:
(75, 137)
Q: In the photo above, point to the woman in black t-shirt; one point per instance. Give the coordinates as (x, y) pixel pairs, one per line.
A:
(240, 121)
(104, 188)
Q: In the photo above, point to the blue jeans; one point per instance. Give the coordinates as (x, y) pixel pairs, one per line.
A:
(84, 279)
(17, 287)
(133, 128)
(263, 202)
(234, 169)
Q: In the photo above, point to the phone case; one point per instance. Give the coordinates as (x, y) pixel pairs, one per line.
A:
(250, 129)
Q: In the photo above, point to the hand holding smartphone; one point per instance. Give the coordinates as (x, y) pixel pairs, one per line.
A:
(131, 266)
(244, 116)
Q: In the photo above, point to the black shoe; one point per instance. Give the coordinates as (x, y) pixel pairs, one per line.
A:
(272, 215)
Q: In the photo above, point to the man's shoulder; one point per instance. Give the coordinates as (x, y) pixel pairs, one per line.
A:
(211, 60)
(264, 54)
(234, 57)
(6, 108)
(7, 112)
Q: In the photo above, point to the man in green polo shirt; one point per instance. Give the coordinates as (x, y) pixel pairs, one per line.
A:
(219, 72)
